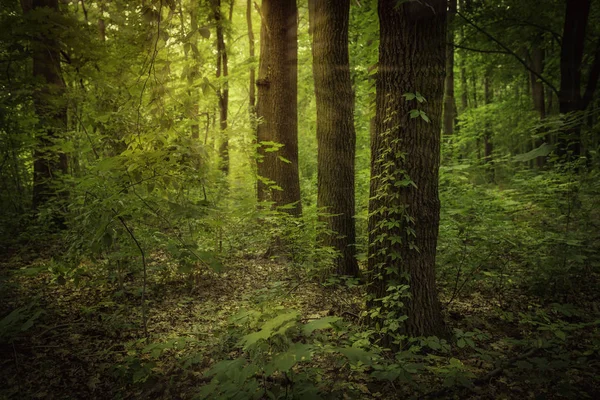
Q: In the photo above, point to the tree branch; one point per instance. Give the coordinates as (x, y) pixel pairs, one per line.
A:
(458, 46)
(509, 51)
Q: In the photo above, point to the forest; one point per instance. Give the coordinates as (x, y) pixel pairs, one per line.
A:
(299, 199)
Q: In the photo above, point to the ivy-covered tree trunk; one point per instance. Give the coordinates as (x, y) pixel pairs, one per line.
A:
(49, 101)
(336, 136)
(277, 105)
(405, 155)
(449, 100)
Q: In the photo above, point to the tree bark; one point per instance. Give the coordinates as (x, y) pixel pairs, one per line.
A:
(405, 155)
(50, 107)
(449, 100)
(336, 136)
(277, 105)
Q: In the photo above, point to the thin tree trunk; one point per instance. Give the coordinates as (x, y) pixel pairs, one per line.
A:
(102, 22)
(537, 93)
(223, 91)
(405, 155)
(192, 76)
(252, 54)
(277, 105)
(449, 100)
(252, 83)
(336, 136)
(487, 134)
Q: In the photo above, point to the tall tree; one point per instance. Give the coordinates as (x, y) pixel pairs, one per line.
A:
(488, 145)
(252, 80)
(223, 91)
(336, 136)
(49, 102)
(449, 100)
(405, 155)
(537, 90)
(277, 105)
(251, 53)
(571, 60)
(193, 74)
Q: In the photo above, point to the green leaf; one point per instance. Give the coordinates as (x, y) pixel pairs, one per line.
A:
(204, 32)
(355, 354)
(541, 151)
(560, 334)
(321, 323)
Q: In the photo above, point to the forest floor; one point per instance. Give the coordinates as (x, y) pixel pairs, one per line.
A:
(68, 341)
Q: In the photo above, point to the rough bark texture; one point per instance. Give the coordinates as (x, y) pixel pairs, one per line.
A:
(277, 104)
(50, 107)
(449, 100)
(223, 91)
(404, 218)
(336, 136)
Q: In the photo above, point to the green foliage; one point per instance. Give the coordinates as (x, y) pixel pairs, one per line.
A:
(18, 321)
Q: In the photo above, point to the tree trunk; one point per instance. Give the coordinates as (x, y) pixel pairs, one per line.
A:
(101, 22)
(50, 106)
(223, 91)
(488, 146)
(252, 54)
(405, 155)
(487, 133)
(449, 101)
(571, 55)
(277, 105)
(336, 135)
(252, 83)
(192, 76)
(538, 94)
